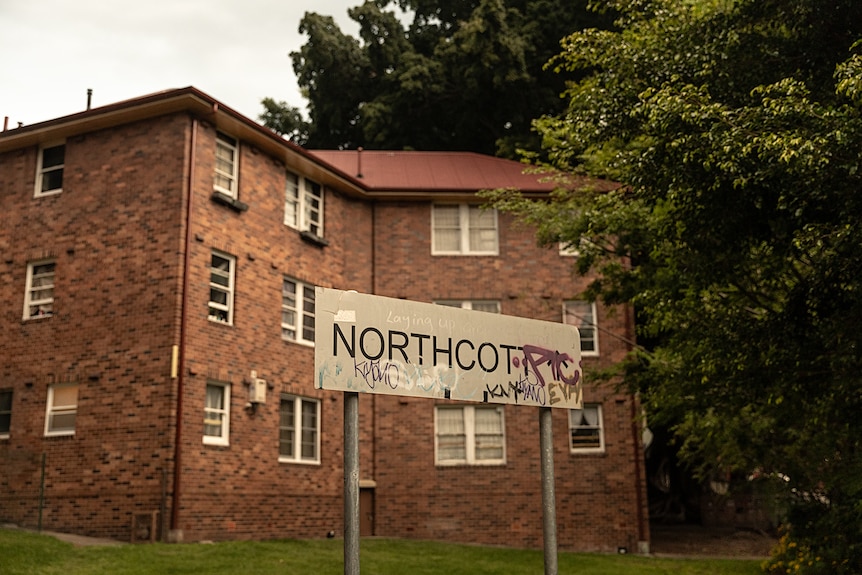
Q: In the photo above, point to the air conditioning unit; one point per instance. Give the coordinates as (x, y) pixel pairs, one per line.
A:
(256, 389)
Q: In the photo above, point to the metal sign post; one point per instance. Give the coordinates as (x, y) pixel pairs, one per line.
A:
(351, 484)
(549, 498)
(373, 344)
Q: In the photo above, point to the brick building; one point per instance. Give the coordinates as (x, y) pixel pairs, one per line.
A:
(159, 259)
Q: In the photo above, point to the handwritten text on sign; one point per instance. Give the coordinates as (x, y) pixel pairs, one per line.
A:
(375, 344)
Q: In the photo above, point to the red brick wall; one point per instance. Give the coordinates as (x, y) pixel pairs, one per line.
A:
(241, 490)
(115, 232)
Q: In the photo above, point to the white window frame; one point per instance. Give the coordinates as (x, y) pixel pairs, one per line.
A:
(478, 305)
(68, 409)
(226, 145)
(298, 416)
(214, 308)
(576, 425)
(469, 415)
(44, 305)
(222, 412)
(585, 325)
(303, 318)
(464, 244)
(303, 211)
(41, 170)
(4, 433)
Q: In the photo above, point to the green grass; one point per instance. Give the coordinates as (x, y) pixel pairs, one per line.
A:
(28, 553)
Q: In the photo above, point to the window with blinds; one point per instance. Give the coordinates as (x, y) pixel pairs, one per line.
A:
(470, 435)
(586, 429)
(582, 314)
(217, 414)
(464, 230)
(62, 410)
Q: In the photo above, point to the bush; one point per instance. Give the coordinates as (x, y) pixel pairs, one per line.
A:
(819, 539)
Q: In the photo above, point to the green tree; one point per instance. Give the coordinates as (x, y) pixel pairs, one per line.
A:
(735, 130)
(284, 120)
(462, 75)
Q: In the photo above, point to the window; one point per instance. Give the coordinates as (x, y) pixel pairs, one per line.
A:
(299, 430)
(5, 412)
(217, 414)
(222, 268)
(470, 434)
(463, 229)
(586, 429)
(49, 173)
(297, 311)
(303, 205)
(488, 306)
(39, 295)
(226, 165)
(582, 314)
(62, 409)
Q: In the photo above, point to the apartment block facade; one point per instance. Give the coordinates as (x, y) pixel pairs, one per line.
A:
(159, 261)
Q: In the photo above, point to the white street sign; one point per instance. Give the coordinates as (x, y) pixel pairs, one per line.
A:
(374, 344)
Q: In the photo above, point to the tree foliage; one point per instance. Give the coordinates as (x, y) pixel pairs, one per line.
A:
(735, 128)
(285, 120)
(462, 75)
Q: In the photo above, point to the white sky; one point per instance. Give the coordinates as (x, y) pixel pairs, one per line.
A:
(52, 51)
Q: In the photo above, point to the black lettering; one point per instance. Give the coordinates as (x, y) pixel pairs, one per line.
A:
(363, 348)
(458, 354)
(350, 346)
(400, 347)
(509, 349)
(446, 350)
(496, 357)
(420, 337)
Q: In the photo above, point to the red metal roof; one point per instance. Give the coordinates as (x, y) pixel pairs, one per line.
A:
(381, 170)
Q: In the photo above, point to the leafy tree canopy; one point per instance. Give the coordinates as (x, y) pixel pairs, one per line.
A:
(735, 128)
(462, 75)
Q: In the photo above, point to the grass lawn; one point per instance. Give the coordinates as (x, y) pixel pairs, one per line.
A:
(28, 553)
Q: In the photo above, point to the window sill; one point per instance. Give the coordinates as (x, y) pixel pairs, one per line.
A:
(48, 193)
(298, 461)
(232, 203)
(58, 434)
(215, 442)
(587, 451)
(466, 254)
(301, 342)
(465, 464)
(37, 317)
(313, 238)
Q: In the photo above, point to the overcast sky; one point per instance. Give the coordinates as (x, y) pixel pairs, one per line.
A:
(52, 51)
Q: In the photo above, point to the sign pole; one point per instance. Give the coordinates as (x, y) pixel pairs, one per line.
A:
(549, 505)
(351, 483)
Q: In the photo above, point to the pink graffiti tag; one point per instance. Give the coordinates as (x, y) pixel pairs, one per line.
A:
(537, 356)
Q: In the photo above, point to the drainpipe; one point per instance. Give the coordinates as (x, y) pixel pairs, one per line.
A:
(181, 359)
